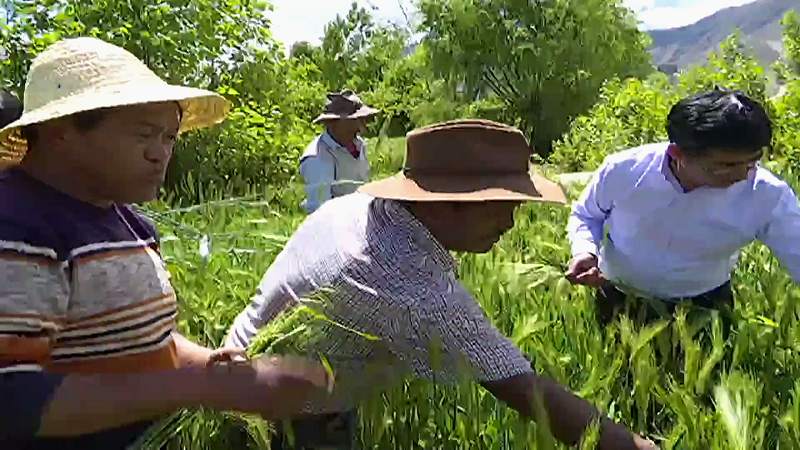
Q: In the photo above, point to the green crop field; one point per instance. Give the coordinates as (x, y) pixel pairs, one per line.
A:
(679, 384)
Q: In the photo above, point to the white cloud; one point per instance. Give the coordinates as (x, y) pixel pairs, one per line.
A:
(640, 5)
(685, 13)
(304, 20)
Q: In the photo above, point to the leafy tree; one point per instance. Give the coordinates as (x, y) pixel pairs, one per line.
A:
(731, 67)
(188, 41)
(356, 51)
(302, 49)
(372, 58)
(789, 65)
(546, 60)
(630, 113)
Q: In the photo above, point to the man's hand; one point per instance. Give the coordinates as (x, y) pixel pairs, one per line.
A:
(273, 387)
(583, 270)
(644, 444)
(226, 354)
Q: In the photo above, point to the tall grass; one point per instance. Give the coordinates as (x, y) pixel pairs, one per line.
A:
(677, 382)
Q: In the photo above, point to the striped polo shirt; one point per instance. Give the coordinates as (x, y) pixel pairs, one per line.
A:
(82, 288)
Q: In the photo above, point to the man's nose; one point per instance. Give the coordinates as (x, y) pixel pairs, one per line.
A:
(159, 153)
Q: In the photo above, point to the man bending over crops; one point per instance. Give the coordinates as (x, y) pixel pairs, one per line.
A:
(89, 355)
(376, 263)
(679, 212)
(335, 163)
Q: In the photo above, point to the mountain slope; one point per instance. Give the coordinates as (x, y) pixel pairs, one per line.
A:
(758, 23)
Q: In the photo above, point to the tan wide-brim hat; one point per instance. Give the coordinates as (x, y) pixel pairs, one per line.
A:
(467, 160)
(83, 74)
(345, 105)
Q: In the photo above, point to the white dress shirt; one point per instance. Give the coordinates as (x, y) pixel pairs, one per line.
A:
(329, 170)
(670, 243)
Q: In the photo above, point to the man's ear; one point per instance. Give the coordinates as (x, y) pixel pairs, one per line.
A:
(675, 151)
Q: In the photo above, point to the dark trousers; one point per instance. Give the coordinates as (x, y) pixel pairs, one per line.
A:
(609, 301)
(335, 431)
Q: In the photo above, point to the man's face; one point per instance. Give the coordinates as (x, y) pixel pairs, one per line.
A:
(347, 127)
(717, 168)
(474, 227)
(125, 156)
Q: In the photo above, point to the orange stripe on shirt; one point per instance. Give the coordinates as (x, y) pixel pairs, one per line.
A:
(109, 254)
(27, 349)
(28, 322)
(164, 358)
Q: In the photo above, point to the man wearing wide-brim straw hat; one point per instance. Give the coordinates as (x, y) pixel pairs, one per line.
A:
(380, 261)
(89, 354)
(335, 163)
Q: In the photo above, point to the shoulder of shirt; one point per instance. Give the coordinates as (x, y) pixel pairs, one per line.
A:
(635, 161)
(770, 185)
(338, 227)
(313, 149)
(346, 207)
(636, 155)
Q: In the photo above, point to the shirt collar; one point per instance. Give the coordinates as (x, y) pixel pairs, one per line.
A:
(662, 163)
(331, 142)
(399, 215)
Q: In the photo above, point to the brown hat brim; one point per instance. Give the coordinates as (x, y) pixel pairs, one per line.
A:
(364, 111)
(531, 187)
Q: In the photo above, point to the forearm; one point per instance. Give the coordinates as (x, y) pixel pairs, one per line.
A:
(85, 404)
(590, 212)
(567, 414)
(190, 354)
(585, 234)
(570, 415)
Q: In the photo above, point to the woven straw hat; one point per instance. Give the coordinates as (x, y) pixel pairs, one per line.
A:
(83, 74)
(345, 105)
(467, 161)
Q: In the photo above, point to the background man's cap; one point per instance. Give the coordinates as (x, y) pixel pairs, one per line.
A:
(345, 106)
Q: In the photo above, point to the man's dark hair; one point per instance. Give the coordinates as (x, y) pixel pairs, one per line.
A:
(719, 120)
(10, 108)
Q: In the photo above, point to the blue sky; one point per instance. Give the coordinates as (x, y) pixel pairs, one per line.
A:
(297, 20)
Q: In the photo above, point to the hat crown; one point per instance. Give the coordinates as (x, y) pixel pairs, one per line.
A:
(76, 66)
(345, 102)
(467, 147)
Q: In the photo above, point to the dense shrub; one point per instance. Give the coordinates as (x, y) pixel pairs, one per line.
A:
(629, 113)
